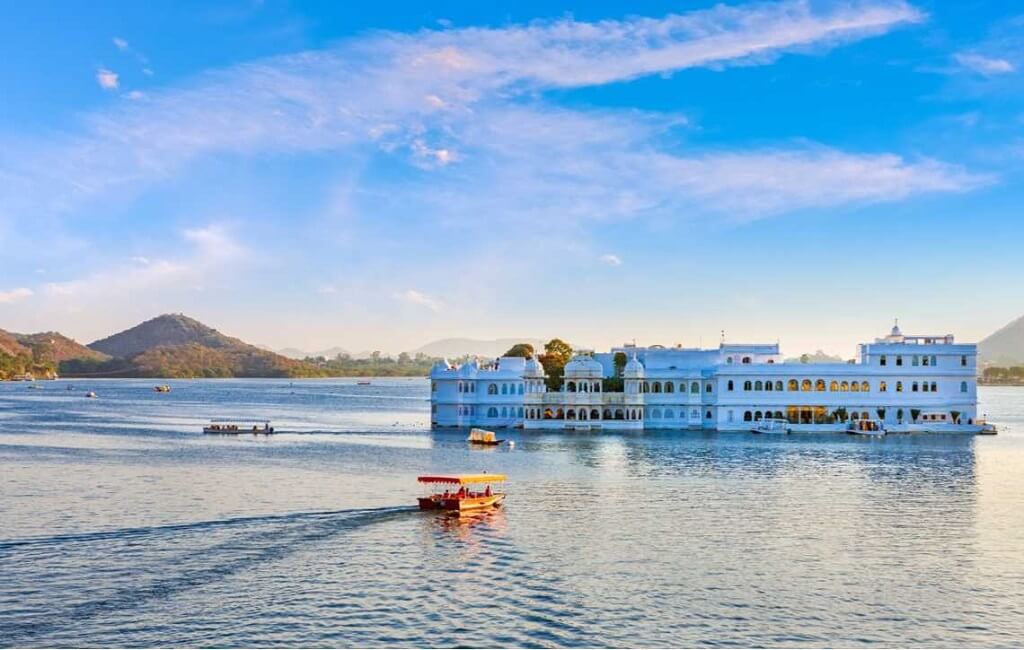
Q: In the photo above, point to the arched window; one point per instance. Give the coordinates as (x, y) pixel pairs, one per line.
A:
(728, 359)
(504, 411)
(492, 389)
(757, 416)
(619, 414)
(794, 385)
(645, 387)
(708, 388)
(656, 387)
(882, 387)
(694, 414)
(767, 385)
(747, 417)
(607, 415)
(504, 389)
(899, 360)
(935, 387)
(805, 385)
(863, 415)
(899, 387)
(747, 385)
(492, 412)
(669, 414)
(707, 414)
(570, 414)
(729, 386)
(669, 387)
(854, 387)
(758, 385)
(913, 387)
(583, 414)
(571, 386)
(778, 414)
(597, 387)
(594, 414)
(583, 387)
(844, 387)
(746, 359)
(834, 386)
(778, 385)
(819, 385)
(963, 387)
(695, 387)
(865, 387)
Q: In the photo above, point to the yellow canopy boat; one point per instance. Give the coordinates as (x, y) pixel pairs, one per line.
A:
(466, 497)
(483, 437)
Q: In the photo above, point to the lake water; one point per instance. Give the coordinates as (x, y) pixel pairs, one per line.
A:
(121, 524)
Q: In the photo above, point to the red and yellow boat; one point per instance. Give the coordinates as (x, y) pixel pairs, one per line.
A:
(474, 492)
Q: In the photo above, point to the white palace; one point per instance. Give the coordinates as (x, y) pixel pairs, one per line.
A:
(909, 383)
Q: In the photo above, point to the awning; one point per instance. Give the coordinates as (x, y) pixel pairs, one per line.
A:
(463, 479)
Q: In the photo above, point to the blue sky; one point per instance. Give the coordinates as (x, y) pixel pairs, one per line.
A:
(316, 174)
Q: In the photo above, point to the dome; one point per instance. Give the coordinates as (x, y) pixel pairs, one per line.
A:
(469, 369)
(534, 368)
(896, 330)
(634, 369)
(584, 365)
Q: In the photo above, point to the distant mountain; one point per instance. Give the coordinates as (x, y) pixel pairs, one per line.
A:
(10, 346)
(1005, 346)
(451, 348)
(817, 357)
(295, 353)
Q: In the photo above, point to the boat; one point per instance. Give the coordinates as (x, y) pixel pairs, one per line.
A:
(986, 429)
(91, 395)
(163, 388)
(771, 425)
(35, 386)
(465, 497)
(363, 383)
(866, 428)
(231, 428)
(483, 437)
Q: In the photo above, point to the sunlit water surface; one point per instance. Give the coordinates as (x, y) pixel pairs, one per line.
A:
(121, 524)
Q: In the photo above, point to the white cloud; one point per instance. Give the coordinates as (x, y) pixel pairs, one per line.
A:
(138, 259)
(983, 65)
(610, 260)
(414, 297)
(14, 295)
(120, 43)
(107, 79)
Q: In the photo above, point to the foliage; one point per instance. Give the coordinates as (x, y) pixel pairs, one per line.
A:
(1003, 375)
(344, 365)
(524, 350)
(914, 414)
(619, 361)
(556, 354)
(612, 384)
(880, 413)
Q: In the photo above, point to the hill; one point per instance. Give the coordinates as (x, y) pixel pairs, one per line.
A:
(454, 348)
(39, 354)
(817, 357)
(163, 331)
(55, 347)
(1004, 346)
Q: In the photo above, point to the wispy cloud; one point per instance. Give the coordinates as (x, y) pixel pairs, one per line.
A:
(431, 95)
(983, 65)
(14, 295)
(107, 79)
(610, 259)
(420, 299)
(120, 43)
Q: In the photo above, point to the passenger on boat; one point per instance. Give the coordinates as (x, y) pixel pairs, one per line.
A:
(487, 491)
(462, 493)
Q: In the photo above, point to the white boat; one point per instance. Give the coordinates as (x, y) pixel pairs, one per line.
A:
(91, 395)
(771, 425)
(866, 428)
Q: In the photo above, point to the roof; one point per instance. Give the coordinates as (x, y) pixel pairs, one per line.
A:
(463, 479)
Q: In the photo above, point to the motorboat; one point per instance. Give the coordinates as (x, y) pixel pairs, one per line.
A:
(866, 428)
(162, 388)
(771, 425)
(91, 395)
(231, 428)
(483, 437)
(468, 496)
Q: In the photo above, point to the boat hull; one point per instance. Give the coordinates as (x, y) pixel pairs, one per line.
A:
(461, 505)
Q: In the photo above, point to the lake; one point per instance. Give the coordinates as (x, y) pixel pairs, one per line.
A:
(121, 524)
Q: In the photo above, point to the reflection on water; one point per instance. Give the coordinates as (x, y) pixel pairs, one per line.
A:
(123, 525)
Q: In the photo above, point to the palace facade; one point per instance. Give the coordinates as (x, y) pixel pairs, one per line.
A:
(910, 383)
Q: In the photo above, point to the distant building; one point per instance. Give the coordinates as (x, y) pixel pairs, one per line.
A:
(906, 382)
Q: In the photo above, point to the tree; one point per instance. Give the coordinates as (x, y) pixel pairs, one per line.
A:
(956, 416)
(524, 350)
(881, 413)
(620, 363)
(404, 358)
(914, 414)
(556, 354)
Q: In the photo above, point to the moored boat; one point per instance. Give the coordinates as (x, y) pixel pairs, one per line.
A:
(483, 437)
(91, 395)
(465, 498)
(866, 428)
(162, 388)
(771, 425)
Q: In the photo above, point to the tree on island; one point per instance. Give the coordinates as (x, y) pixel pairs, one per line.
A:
(556, 354)
(524, 350)
(620, 363)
